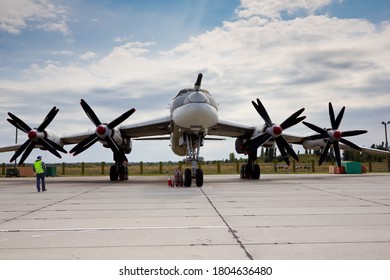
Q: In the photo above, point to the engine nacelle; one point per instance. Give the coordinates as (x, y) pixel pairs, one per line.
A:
(128, 145)
(240, 141)
(124, 143)
(239, 146)
(258, 131)
(51, 135)
(314, 144)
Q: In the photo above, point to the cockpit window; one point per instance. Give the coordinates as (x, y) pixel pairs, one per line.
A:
(184, 91)
(189, 90)
(180, 98)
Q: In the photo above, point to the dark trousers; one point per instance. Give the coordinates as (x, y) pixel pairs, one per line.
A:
(40, 178)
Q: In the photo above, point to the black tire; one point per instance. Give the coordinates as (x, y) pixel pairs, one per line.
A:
(113, 173)
(256, 172)
(248, 171)
(199, 177)
(187, 177)
(126, 173)
(121, 173)
(242, 172)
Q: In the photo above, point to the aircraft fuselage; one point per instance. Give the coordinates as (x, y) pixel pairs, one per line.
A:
(194, 112)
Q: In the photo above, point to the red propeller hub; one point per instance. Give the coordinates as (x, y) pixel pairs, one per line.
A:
(337, 134)
(101, 130)
(32, 134)
(277, 130)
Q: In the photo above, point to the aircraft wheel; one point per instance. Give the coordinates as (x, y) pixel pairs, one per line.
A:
(199, 177)
(113, 173)
(248, 171)
(242, 171)
(187, 177)
(121, 173)
(256, 172)
(126, 173)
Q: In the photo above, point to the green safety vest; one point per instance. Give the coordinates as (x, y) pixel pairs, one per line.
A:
(38, 167)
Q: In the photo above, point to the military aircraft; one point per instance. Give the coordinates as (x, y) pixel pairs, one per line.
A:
(193, 117)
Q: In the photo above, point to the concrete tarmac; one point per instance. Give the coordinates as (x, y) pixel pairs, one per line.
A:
(302, 217)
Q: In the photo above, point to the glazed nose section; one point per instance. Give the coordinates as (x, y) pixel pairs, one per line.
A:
(197, 97)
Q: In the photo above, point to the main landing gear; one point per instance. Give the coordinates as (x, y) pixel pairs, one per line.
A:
(250, 170)
(119, 171)
(193, 142)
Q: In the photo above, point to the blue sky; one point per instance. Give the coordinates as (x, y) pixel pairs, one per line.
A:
(123, 54)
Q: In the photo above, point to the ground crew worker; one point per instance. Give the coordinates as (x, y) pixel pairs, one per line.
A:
(39, 171)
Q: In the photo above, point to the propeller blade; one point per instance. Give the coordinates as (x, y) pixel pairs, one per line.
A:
(262, 112)
(294, 122)
(331, 116)
(49, 147)
(282, 150)
(256, 142)
(274, 132)
(20, 150)
(339, 118)
(336, 147)
(27, 152)
(56, 146)
(350, 144)
(36, 138)
(353, 132)
(120, 119)
(18, 123)
(334, 135)
(50, 116)
(119, 154)
(316, 129)
(100, 131)
(288, 148)
(11, 121)
(293, 119)
(90, 113)
(85, 144)
(324, 152)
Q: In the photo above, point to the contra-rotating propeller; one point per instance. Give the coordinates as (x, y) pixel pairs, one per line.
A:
(333, 136)
(103, 132)
(274, 131)
(35, 136)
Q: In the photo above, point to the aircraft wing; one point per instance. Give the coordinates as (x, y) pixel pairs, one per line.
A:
(236, 130)
(231, 129)
(154, 127)
(366, 150)
(9, 148)
(76, 138)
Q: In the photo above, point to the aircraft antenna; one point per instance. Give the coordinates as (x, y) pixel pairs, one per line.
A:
(198, 82)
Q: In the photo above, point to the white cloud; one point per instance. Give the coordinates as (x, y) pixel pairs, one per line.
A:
(88, 56)
(273, 9)
(122, 39)
(300, 62)
(62, 53)
(17, 15)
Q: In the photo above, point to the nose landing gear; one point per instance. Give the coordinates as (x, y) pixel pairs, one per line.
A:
(193, 149)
